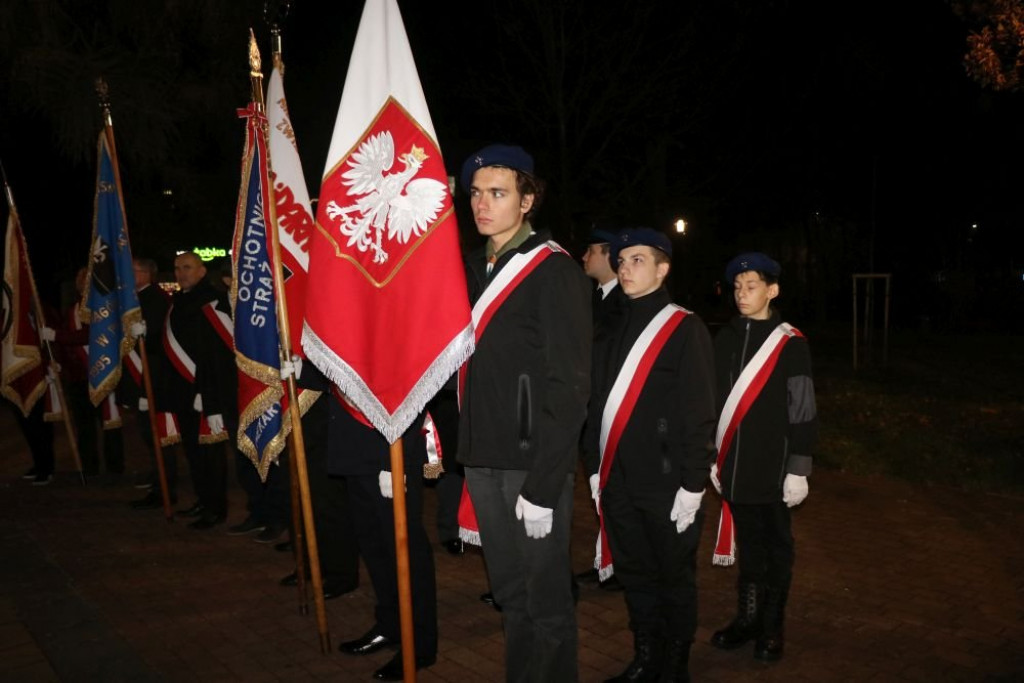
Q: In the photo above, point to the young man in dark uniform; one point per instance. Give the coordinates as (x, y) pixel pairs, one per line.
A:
(523, 402)
(648, 450)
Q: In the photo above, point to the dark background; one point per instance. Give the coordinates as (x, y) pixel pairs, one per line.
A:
(841, 137)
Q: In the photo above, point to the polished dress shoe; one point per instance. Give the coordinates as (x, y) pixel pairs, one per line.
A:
(454, 546)
(488, 599)
(207, 522)
(283, 547)
(368, 644)
(611, 584)
(195, 511)
(393, 671)
(589, 576)
(335, 589)
(151, 501)
(290, 580)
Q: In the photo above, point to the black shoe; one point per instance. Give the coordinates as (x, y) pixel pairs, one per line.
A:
(248, 526)
(42, 479)
(769, 648)
(454, 546)
(270, 533)
(394, 671)
(194, 511)
(611, 584)
(151, 501)
(589, 576)
(488, 599)
(368, 644)
(283, 547)
(206, 522)
(333, 589)
(31, 474)
(290, 580)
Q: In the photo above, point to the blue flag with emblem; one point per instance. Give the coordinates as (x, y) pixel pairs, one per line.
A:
(110, 306)
(261, 398)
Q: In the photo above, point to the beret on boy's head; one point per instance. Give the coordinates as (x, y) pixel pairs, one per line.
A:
(752, 260)
(634, 237)
(509, 156)
(600, 236)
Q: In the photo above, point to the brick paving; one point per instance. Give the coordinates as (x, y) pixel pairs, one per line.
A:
(894, 582)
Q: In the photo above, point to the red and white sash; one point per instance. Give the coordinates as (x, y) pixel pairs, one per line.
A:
(494, 295)
(176, 353)
(221, 323)
(744, 392)
(432, 469)
(622, 398)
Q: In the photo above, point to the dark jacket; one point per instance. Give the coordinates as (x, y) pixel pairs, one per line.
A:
(668, 441)
(154, 303)
(780, 428)
(528, 382)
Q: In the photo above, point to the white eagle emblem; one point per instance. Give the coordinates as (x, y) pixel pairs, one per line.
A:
(406, 206)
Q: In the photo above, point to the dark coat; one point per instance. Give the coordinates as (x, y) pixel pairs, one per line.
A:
(668, 441)
(528, 382)
(780, 428)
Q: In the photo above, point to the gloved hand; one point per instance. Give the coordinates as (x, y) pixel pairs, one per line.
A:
(715, 481)
(291, 367)
(595, 492)
(48, 334)
(536, 519)
(138, 329)
(794, 490)
(197, 405)
(384, 481)
(216, 423)
(51, 373)
(684, 508)
(143, 405)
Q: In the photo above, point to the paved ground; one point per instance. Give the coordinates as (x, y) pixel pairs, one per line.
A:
(893, 582)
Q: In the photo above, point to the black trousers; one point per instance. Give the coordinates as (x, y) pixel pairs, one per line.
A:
(375, 532)
(207, 464)
(39, 435)
(656, 565)
(266, 501)
(89, 425)
(764, 544)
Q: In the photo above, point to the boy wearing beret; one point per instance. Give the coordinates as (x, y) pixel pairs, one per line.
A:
(767, 427)
(648, 451)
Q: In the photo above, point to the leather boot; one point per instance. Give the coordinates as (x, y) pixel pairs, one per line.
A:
(771, 642)
(646, 664)
(677, 662)
(747, 624)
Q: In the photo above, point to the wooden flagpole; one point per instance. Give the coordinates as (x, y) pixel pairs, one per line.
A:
(40, 322)
(294, 411)
(108, 130)
(402, 559)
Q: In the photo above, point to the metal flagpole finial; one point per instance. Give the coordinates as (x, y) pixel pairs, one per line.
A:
(255, 64)
(103, 93)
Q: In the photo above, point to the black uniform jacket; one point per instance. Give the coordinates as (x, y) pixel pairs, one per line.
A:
(528, 382)
(668, 441)
(777, 434)
(216, 372)
(154, 303)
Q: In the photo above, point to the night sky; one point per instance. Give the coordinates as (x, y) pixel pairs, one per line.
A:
(842, 127)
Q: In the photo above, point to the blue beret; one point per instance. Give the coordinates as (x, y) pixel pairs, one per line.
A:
(509, 156)
(752, 260)
(600, 236)
(633, 237)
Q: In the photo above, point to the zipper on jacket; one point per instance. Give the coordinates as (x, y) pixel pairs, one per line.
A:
(525, 412)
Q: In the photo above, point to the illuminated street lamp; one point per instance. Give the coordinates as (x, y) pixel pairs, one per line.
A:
(680, 226)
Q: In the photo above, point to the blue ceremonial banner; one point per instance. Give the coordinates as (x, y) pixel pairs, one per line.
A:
(110, 305)
(261, 398)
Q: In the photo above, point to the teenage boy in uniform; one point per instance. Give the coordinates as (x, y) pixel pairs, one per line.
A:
(523, 400)
(767, 426)
(648, 451)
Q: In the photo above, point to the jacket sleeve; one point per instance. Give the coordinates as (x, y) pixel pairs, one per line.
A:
(802, 408)
(565, 316)
(697, 388)
(217, 372)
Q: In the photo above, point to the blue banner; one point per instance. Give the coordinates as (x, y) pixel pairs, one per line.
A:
(111, 304)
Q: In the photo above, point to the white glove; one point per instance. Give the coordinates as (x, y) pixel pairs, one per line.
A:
(291, 367)
(48, 334)
(715, 481)
(536, 519)
(138, 329)
(595, 492)
(216, 423)
(143, 405)
(684, 508)
(197, 405)
(794, 490)
(51, 373)
(384, 480)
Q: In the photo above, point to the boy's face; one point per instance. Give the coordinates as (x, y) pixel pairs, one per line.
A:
(753, 295)
(498, 208)
(639, 272)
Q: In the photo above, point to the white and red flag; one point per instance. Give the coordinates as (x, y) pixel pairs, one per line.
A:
(388, 318)
(24, 377)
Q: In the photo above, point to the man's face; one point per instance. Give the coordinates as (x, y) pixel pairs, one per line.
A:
(639, 272)
(188, 271)
(142, 276)
(498, 208)
(596, 264)
(753, 295)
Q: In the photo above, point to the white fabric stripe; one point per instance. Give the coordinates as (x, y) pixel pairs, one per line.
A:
(747, 376)
(179, 351)
(498, 285)
(625, 376)
(433, 442)
(223, 318)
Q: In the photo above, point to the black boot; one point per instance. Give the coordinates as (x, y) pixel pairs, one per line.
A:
(747, 624)
(646, 664)
(770, 643)
(677, 662)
